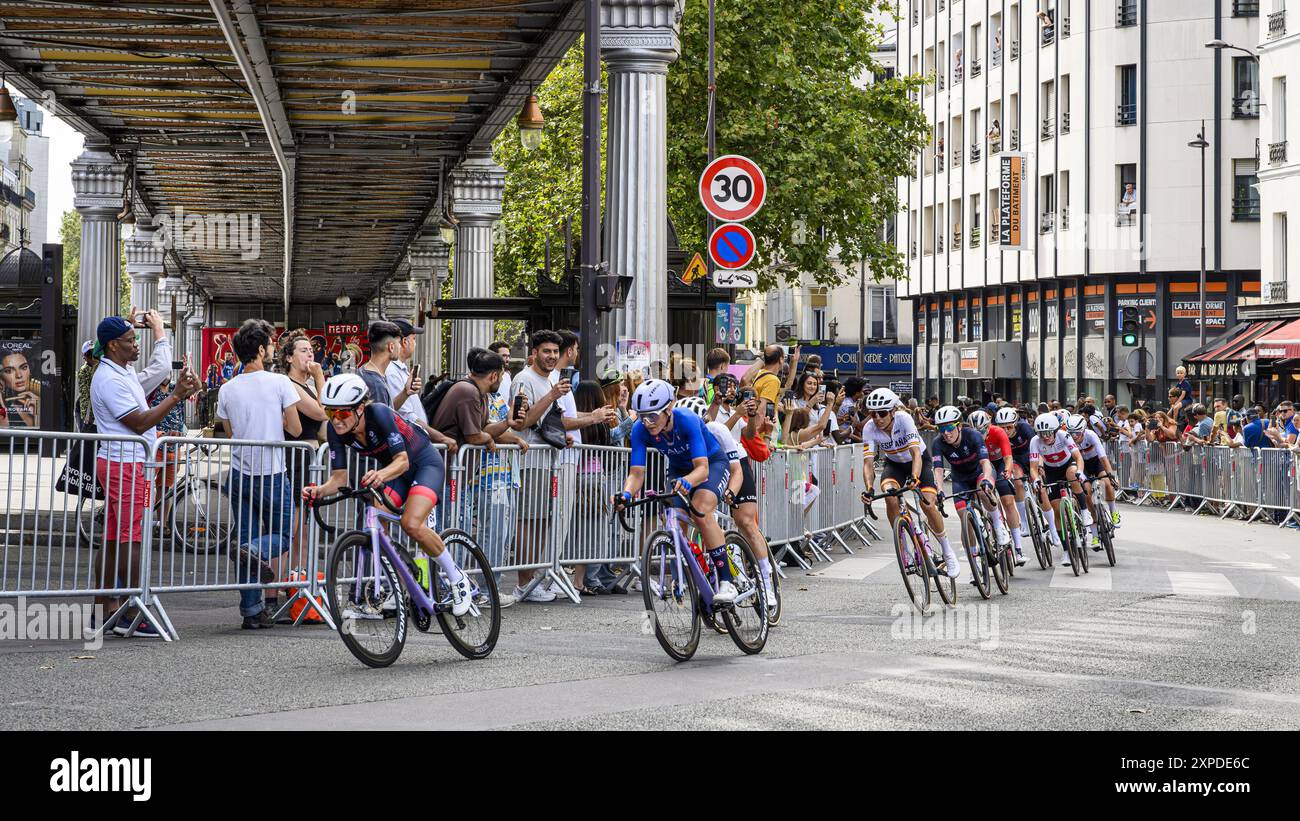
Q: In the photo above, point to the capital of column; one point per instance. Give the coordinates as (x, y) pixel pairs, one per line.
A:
(144, 256)
(428, 257)
(646, 32)
(98, 182)
(477, 186)
(195, 321)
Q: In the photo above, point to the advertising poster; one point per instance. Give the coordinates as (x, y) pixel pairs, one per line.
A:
(633, 355)
(21, 388)
(1012, 169)
(338, 348)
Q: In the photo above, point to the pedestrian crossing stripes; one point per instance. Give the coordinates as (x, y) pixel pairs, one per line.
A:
(857, 568)
(1201, 584)
(1098, 578)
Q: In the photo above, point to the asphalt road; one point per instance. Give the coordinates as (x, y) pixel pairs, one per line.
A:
(1196, 628)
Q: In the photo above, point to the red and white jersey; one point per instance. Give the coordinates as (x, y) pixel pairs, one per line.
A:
(1091, 445)
(1055, 453)
(998, 444)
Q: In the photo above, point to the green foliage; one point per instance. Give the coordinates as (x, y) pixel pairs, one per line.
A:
(70, 236)
(831, 149)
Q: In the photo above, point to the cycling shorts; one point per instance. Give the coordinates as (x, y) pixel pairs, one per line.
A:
(1053, 474)
(900, 472)
(719, 479)
(1093, 467)
(424, 479)
(748, 486)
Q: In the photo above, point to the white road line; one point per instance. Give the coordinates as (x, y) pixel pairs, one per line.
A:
(1293, 579)
(1098, 578)
(1201, 584)
(857, 568)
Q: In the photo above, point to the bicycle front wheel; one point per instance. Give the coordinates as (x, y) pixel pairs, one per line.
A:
(474, 635)
(907, 549)
(200, 516)
(1107, 531)
(368, 603)
(746, 620)
(976, 552)
(672, 601)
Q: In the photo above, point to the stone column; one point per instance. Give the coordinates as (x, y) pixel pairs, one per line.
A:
(477, 186)
(194, 349)
(638, 41)
(144, 265)
(428, 258)
(98, 182)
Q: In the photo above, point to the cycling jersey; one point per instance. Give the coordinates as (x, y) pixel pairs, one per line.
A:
(999, 445)
(1020, 440)
(1091, 446)
(387, 435)
(895, 444)
(964, 455)
(1055, 453)
(688, 439)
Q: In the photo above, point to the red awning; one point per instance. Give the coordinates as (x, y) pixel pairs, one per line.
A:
(1282, 343)
(1223, 358)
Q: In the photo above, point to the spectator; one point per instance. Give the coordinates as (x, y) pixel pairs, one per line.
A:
(1128, 200)
(89, 362)
(688, 382)
(1238, 402)
(1180, 395)
(715, 364)
(1198, 431)
(502, 349)
(814, 366)
(261, 406)
(592, 522)
(117, 400)
(767, 383)
(398, 375)
(1286, 423)
(298, 363)
(614, 387)
(385, 338)
(1109, 408)
(1252, 433)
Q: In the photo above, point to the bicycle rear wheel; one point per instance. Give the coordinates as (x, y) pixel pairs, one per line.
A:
(1070, 538)
(977, 552)
(1002, 569)
(369, 608)
(1107, 531)
(91, 516)
(746, 620)
(671, 599)
(1038, 534)
(200, 516)
(907, 549)
(474, 635)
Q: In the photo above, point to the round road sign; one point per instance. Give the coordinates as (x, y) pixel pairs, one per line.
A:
(731, 246)
(732, 188)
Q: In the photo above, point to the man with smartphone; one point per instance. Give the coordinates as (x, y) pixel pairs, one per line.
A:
(404, 378)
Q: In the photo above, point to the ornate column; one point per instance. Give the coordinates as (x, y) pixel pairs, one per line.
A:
(477, 186)
(194, 349)
(428, 258)
(144, 265)
(98, 182)
(638, 41)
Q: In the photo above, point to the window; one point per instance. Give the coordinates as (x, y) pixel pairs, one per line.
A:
(1127, 109)
(819, 323)
(1127, 194)
(1064, 103)
(1126, 13)
(1276, 288)
(883, 320)
(975, 214)
(1064, 198)
(1245, 196)
(1047, 105)
(1245, 88)
(1047, 197)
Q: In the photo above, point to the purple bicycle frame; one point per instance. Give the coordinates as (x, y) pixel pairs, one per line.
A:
(379, 541)
(676, 528)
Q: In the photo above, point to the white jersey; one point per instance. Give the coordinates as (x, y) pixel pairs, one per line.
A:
(735, 453)
(1091, 445)
(896, 445)
(1055, 454)
(1098, 423)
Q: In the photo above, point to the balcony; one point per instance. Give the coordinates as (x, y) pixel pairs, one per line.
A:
(975, 68)
(1277, 24)
(1047, 130)
(29, 198)
(1277, 153)
(1125, 217)
(1065, 123)
(957, 156)
(1046, 222)
(1065, 28)
(1275, 291)
(995, 145)
(942, 84)
(957, 74)
(974, 154)
(1245, 8)
(1246, 107)
(916, 20)
(912, 250)
(1126, 13)
(1245, 209)
(938, 163)
(938, 244)
(943, 5)
(1126, 114)
(975, 237)
(997, 57)
(993, 233)
(1047, 36)
(1015, 139)
(1015, 49)
(956, 236)
(1065, 218)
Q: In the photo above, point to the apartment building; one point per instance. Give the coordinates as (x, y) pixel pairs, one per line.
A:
(1097, 102)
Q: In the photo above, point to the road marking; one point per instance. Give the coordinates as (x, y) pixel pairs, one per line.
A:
(1293, 579)
(1201, 584)
(1243, 565)
(1098, 578)
(858, 568)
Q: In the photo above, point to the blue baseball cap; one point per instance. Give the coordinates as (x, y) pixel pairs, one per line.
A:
(110, 328)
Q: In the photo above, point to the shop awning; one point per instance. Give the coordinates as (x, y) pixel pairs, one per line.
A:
(1225, 356)
(1282, 343)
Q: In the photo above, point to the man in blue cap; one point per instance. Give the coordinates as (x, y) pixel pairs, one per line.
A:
(120, 409)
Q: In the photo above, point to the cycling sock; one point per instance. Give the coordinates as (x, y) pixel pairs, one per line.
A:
(995, 516)
(1015, 538)
(1024, 519)
(448, 565)
(720, 561)
(946, 545)
(1093, 527)
(1051, 525)
(1111, 506)
(1082, 500)
(765, 570)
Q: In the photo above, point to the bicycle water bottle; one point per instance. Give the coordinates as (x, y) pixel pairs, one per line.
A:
(705, 565)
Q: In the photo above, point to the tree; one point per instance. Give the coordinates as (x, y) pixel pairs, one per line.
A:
(789, 96)
(70, 236)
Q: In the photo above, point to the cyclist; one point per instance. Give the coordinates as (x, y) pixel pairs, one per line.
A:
(1095, 464)
(742, 491)
(891, 432)
(411, 471)
(698, 469)
(963, 447)
(1019, 433)
(999, 448)
(1053, 457)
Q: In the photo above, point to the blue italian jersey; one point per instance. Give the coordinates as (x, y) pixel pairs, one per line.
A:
(687, 440)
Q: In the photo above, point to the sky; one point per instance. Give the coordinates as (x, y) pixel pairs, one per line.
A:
(65, 146)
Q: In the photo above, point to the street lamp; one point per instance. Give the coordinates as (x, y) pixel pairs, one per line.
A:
(1201, 143)
(447, 231)
(1220, 45)
(342, 301)
(530, 124)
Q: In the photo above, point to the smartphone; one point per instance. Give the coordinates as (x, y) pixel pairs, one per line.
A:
(787, 396)
(518, 409)
(771, 411)
(566, 374)
(415, 371)
(177, 364)
(141, 320)
(746, 395)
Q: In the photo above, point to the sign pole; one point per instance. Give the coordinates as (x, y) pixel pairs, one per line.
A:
(590, 251)
(862, 316)
(711, 131)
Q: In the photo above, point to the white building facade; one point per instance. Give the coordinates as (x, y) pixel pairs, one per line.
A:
(1100, 99)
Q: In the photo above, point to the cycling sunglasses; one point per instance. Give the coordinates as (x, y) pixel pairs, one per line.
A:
(342, 414)
(647, 418)
(881, 414)
(947, 428)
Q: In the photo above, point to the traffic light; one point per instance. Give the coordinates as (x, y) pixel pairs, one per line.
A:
(1129, 328)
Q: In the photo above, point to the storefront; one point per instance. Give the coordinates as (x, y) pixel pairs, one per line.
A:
(1278, 355)
(1226, 365)
(883, 365)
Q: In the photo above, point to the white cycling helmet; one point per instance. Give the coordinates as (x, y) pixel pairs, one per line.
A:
(947, 415)
(1047, 424)
(1006, 416)
(694, 404)
(652, 396)
(1062, 416)
(1076, 424)
(882, 399)
(347, 390)
(979, 420)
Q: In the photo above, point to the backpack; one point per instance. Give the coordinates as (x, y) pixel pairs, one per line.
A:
(433, 398)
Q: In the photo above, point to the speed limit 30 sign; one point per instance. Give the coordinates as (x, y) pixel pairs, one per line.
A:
(732, 188)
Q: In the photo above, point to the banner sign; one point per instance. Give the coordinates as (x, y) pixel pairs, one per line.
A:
(1012, 170)
(875, 358)
(336, 352)
(21, 384)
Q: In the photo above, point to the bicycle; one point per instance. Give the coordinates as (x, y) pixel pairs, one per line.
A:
(912, 548)
(369, 582)
(978, 535)
(1037, 523)
(1101, 515)
(1070, 526)
(678, 584)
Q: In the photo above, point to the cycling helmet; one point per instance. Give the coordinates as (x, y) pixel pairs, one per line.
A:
(694, 404)
(947, 415)
(882, 399)
(652, 396)
(979, 420)
(347, 390)
(1076, 424)
(1062, 416)
(1047, 424)
(1006, 416)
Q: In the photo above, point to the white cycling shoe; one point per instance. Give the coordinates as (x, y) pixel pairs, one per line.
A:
(460, 596)
(725, 594)
(1087, 518)
(769, 595)
(950, 564)
(1020, 558)
(1065, 559)
(1004, 537)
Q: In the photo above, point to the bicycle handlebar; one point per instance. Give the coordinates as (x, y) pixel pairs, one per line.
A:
(621, 508)
(342, 496)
